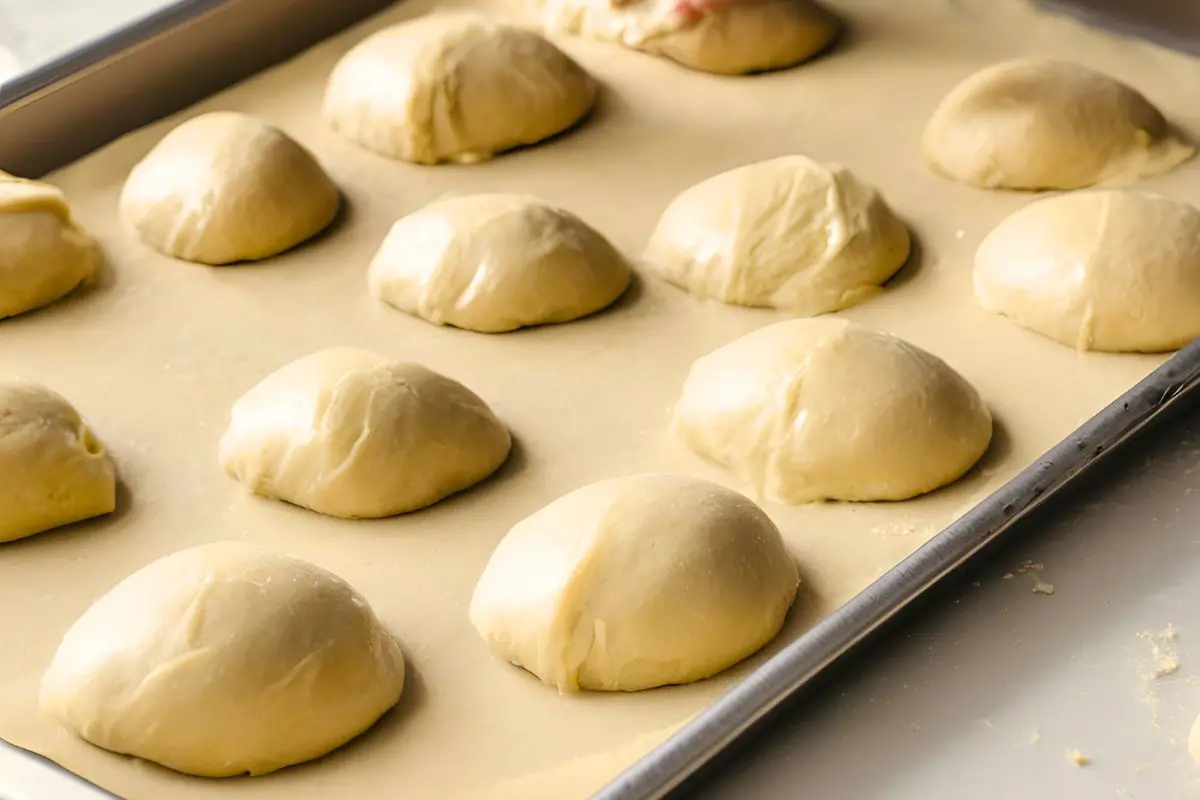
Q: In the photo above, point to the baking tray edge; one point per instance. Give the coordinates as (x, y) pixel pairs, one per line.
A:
(715, 728)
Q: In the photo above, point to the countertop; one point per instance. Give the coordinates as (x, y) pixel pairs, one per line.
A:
(983, 690)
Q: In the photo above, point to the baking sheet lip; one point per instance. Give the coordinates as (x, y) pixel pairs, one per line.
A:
(103, 49)
(717, 726)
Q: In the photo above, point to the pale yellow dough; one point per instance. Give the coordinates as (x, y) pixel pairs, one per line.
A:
(53, 470)
(729, 38)
(455, 87)
(226, 187)
(44, 255)
(785, 233)
(825, 409)
(1042, 124)
(348, 433)
(636, 582)
(1112, 269)
(222, 660)
(496, 262)
(1193, 742)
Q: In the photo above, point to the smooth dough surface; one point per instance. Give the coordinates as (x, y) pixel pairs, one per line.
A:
(825, 409)
(785, 233)
(636, 582)
(496, 262)
(455, 87)
(1036, 123)
(224, 187)
(348, 433)
(44, 255)
(53, 469)
(222, 660)
(1109, 269)
(726, 37)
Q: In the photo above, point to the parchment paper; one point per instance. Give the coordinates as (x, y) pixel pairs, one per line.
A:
(156, 354)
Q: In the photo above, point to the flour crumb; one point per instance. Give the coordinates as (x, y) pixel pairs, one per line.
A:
(1077, 758)
(960, 233)
(914, 727)
(1166, 662)
(1043, 587)
(1008, 576)
(1035, 737)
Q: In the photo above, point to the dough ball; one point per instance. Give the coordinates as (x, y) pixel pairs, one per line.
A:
(226, 187)
(786, 233)
(636, 582)
(1042, 124)
(348, 433)
(53, 470)
(222, 660)
(1098, 270)
(455, 87)
(44, 255)
(496, 262)
(727, 37)
(823, 409)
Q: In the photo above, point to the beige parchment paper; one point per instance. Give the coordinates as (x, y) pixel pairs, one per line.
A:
(156, 354)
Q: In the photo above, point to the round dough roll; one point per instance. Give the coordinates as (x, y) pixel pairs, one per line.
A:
(455, 87)
(636, 582)
(222, 660)
(496, 262)
(226, 187)
(53, 470)
(724, 37)
(44, 255)
(824, 409)
(785, 233)
(1099, 270)
(1043, 124)
(347, 433)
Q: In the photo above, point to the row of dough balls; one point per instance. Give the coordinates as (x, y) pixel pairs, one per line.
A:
(468, 262)
(227, 658)
(802, 411)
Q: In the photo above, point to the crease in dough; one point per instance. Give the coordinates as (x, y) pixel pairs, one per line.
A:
(53, 469)
(44, 253)
(788, 232)
(456, 87)
(825, 409)
(636, 582)
(224, 659)
(724, 37)
(348, 433)
(1107, 269)
(495, 263)
(1036, 123)
(225, 187)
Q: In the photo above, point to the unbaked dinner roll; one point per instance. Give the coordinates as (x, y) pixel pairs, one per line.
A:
(222, 660)
(824, 409)
(225, 187)
(636, 582)
(1097, 270)
(496, 262)
(455, 87)
(785, 233)
(348, 433)
(1042, 124)
(53, 470)
(728, 37)
(44, 254)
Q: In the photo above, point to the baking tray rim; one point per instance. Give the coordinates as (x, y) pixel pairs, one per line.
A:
(718, 725)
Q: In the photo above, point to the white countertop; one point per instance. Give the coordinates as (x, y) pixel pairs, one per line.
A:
(946, 705)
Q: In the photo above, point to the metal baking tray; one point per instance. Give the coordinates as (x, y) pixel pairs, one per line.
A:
(76, 103)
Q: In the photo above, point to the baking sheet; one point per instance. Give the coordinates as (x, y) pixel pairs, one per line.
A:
(156, 354)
